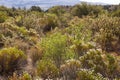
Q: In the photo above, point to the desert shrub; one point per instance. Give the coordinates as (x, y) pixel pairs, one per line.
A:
(101, 63)
(54, 47)
(10, 30)
(64, 20)
(93, 60)
(78, 30)
(106, 32)
(3, 16)
(36, 54)
(24, 76)
(46, 69)
(62, 37)
(23, 31)
(69, 69)
(82, 47)
(58, 10)
(20, 44)
(49, 22)
(1, 40)
(31, 20)
(80, 37)
(62, 13)
(116, 13)
(85, 74)
(19, 21)
(11, 59)
(84, 9)
(36, 8)
(3, 8)
(14, 35)
(112, 67)
(38, 21)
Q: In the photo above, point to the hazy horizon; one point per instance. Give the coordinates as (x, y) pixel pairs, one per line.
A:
(104, 1)
(49, 3)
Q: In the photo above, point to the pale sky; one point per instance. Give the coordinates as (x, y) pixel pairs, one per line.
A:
(104, 1)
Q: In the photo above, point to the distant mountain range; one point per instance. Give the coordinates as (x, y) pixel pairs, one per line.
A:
(41, 3)
(96, 3)
(45, 4)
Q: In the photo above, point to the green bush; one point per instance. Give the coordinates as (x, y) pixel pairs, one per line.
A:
(62, 13)
(84, 9)
(36, 8)
(58, 10)
(78, 30)
(116, 13)
(54, 47)
(49, 22)
(11, 59)
(3, 16)
(80, 36)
